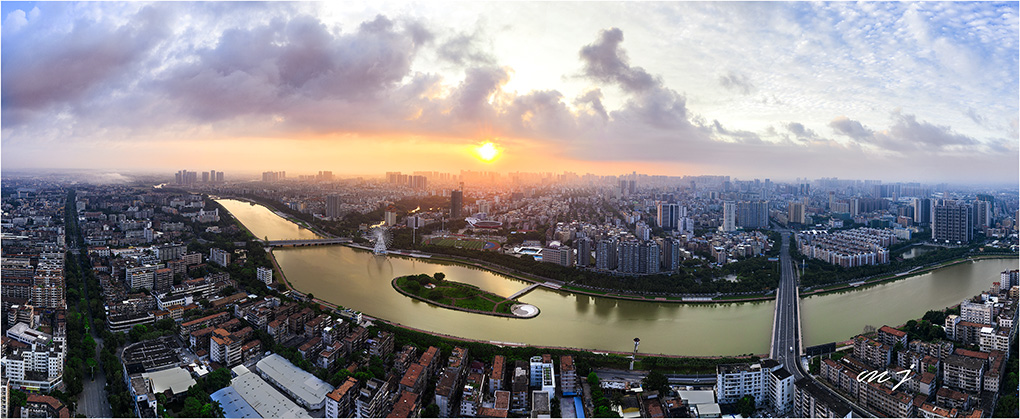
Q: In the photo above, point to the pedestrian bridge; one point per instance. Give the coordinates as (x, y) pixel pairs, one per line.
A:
(306, 242)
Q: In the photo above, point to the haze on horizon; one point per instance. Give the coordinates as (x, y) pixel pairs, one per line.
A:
(901, 91)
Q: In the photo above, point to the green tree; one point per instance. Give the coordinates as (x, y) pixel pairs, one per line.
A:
(18, 398)
(91, 363)
(439, 276)
(138, 332)
(656, 381)
(593, 379)
(431, 411)
(745, 406)
(217, 380)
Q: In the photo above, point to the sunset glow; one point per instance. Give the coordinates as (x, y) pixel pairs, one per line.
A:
(487, 152)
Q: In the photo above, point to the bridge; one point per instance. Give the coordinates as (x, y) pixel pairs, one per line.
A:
(306, 242)
(787, 342)
(550, 285)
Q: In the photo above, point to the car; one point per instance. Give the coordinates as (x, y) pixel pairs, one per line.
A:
(791, 349)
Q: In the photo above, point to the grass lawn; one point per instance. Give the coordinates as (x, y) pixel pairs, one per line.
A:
(458, 295)
(475, 303)
(459, 243)
(505, 307)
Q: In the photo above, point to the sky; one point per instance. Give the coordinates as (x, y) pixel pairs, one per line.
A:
(895, 91)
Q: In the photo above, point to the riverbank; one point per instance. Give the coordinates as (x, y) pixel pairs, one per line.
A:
(501, 344)
(498, 303)
(896, 277)
(269, 205)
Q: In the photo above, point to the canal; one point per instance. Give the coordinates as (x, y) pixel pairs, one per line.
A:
(361, 280)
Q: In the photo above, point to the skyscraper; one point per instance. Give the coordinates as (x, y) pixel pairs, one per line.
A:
(668, 216)
(333, 206)
(648, 258)
(670, 254)
(795, 211)
(583, 251)
(922, 211)
(729, 216)
(753, 214)
(606, 254)
(951, 221)
(629, 257)
(982, 213)
(456, 203)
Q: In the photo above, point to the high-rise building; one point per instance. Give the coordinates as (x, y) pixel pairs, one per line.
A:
(456, 203)
(583, 251)
(419, 182)
(642, 231)
(795, 212)
(334, 205)
(982, 217)
(273, 176)
(606, 254)
(390, 216)
(951, 221)
(648, 258)
(628, 257)
(219, 176)
(922, 211)
(670, 254)
(668, 216)
(205, 177)
(753, 214)
(729, 216)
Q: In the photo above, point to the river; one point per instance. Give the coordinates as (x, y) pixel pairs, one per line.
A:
(361, 280)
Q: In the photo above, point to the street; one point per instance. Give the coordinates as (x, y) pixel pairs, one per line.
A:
(92, 401)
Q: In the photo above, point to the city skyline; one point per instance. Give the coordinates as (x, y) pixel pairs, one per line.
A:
(898, 91)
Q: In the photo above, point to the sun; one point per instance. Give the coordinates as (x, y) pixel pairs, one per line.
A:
(487, 152)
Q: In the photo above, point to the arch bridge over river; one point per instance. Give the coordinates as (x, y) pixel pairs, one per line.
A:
(360, 280)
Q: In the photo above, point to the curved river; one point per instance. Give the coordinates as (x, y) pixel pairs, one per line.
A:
(361, 280)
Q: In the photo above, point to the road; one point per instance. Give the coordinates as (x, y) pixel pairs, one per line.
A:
(786, 325)
(637, 376)
(92, 401)
(785, 346)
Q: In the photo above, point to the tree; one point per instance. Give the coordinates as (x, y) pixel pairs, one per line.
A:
(18, 398)
(138, 332)
(217, 380)
(439, 276)
(431, 411)
(745, 406)
(91, 363)
(593, 379)
(656, 381)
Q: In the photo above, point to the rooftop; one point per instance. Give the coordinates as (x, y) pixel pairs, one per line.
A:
(234, 406)
(303, 385)
(840, 408)
(175, 379)
(265, 399)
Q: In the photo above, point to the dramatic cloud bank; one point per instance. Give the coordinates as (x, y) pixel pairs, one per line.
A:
(783, 89)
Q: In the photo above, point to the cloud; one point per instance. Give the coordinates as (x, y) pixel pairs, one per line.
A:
(905, 134)
(850, 128)
(63, 68)
(606, 62)
(745, 137)
(282, 65)
(973, 115)
(737, 82)
(593, 99)
(466, 49)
